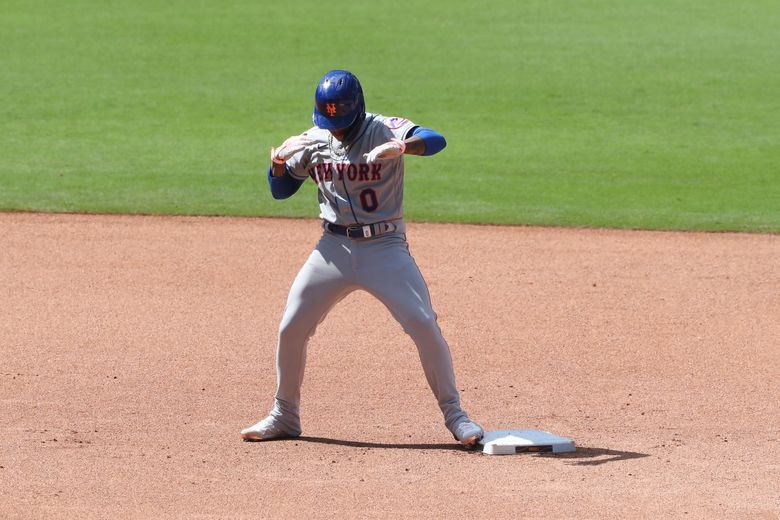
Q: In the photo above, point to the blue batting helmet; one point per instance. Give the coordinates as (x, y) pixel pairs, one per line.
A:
(338, 101)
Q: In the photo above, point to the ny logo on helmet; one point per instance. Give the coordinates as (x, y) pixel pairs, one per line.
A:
(331, 108)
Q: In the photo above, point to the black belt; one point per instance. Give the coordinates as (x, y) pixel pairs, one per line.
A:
(357, 231)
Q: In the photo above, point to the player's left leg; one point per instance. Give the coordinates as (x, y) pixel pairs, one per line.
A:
(394, 278)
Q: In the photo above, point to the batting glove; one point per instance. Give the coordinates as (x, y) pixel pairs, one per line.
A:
(391, 149)
(290, 147)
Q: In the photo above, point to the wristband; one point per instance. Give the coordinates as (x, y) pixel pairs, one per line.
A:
(400, 143)
(274, 159)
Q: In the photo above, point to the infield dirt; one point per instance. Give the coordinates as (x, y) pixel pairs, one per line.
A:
(134, 349)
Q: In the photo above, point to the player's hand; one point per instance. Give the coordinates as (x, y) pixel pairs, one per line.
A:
(314, 155)
(290, 147)
(391, 149)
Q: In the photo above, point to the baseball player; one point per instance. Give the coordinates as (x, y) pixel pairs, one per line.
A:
(356, 160)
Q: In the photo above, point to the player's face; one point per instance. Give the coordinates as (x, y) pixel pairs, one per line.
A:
(340, 133)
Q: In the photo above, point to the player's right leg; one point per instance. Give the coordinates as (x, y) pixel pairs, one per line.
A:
(321, 283)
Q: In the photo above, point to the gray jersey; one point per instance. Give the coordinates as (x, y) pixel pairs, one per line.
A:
(350, 190)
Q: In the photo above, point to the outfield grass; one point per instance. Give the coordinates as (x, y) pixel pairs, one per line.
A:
(662, 114)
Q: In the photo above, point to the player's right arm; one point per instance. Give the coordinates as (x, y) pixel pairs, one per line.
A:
(284, 179)
(282, 184)
(278, 169)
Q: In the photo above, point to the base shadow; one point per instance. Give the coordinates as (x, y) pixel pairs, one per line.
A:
(598, 456)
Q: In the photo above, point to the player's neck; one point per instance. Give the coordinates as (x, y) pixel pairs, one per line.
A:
(344, 135)
(339, 134)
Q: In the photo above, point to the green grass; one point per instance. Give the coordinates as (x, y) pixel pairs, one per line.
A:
(662, 114)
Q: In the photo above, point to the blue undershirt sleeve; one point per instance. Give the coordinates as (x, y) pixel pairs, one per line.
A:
(284, 186)
(434, 141)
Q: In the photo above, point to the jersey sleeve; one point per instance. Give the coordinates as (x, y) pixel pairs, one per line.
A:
(296, 167)
(398, 126)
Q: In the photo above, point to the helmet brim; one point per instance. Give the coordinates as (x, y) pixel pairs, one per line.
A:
(332, 123)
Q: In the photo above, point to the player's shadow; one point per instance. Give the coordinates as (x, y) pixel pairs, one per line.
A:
(380, 445)
(585, 456)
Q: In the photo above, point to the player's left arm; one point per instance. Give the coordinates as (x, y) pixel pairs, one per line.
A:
(424, 141)
(417, 141)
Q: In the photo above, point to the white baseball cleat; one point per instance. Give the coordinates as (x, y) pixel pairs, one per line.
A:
(268, 429)
(468, 433)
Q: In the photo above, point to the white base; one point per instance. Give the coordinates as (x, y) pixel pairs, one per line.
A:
(508, 442)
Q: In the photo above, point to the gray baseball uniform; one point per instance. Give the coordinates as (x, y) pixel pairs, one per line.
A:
(368, 197)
